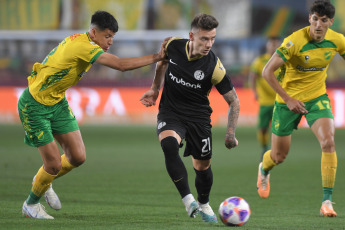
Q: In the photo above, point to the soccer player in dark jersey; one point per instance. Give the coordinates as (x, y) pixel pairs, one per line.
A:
(44, 110)
(303, 58)
(190, 72)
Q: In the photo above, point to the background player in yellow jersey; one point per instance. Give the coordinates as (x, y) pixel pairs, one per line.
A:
(44, 110)
(303, 58)
(263, 92)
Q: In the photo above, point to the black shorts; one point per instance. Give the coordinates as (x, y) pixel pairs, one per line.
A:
(198, 135)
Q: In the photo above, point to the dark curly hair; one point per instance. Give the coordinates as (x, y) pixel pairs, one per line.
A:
(104, 20)
(323, 7)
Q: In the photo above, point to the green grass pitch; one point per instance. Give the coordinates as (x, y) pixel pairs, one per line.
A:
(124, 185)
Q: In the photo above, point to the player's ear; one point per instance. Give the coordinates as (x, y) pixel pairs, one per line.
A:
(191, 36)
(93, 32)
(331, 20)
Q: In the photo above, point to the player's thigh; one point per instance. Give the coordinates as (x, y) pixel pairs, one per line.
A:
(35, 119)
(265, 116)
(66, 131)
(73, 146)
(170, 125)
(50, 154)
(63, 120)
(199, 140)
(318, 108)
(284, 121)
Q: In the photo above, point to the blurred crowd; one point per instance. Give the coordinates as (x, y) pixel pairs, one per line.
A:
(29, 29)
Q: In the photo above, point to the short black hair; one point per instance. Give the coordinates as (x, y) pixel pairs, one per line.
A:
(104, 20)
(323, 7)
(204, 21)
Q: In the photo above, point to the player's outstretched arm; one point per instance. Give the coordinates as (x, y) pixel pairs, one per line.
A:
(124, 64)
(234, 110)
(149, 97)
(272, 65)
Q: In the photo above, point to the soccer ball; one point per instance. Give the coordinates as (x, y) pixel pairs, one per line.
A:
(234, 211)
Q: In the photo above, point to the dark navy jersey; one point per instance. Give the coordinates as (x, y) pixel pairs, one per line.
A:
(188, 82)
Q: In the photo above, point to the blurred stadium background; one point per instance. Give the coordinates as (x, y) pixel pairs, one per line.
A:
(29, 29)
(124, 184)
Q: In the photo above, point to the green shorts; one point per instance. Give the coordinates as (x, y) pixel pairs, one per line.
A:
(265, 116)
(41, 122)
(284, 120)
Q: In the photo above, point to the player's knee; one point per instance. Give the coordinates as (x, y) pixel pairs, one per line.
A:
(279, 158)
(170, 146)
(53, 168)
(78, 159)
(328, 145)
(201, 165)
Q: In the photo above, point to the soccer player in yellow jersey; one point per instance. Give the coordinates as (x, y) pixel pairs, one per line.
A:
(303, 58)
(263, 92)
(44, 110)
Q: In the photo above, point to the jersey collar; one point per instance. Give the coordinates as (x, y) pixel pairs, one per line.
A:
(187, 53)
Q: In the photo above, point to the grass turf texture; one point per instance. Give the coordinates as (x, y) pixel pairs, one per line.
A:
(124, 185)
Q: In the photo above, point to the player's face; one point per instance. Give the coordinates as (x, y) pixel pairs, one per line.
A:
(202, 41)
(319, 26)
(102, 38)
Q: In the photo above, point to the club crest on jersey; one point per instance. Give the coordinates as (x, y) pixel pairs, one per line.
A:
(328, 55)
(199, 75)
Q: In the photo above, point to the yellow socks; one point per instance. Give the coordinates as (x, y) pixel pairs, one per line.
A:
(66, 166)
(263, 138)
(40, 186)
(328, 171)
(267, 162)
(43, 180)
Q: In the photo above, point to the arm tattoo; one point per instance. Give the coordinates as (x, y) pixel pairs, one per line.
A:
(234, 110)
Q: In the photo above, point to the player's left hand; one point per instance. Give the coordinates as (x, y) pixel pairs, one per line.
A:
(149, 98)
(161, 52)
(230, 141)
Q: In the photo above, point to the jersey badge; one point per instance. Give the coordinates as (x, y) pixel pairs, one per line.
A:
(328, 55)
(199, 75)
(306, 58)
(284, 50)
(289, 45)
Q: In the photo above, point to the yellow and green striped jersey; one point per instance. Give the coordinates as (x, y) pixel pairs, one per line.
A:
(303, 75)
(63, 67)
(266, 95)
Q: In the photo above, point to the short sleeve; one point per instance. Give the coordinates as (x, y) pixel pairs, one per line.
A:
(218, 73)
(87, 51)
(287, 49)
(341, 47)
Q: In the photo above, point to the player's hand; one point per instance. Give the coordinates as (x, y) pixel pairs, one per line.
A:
(149, 98)
(161, 52)
(230, 141)
(296, 106)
